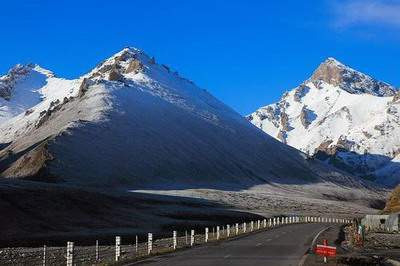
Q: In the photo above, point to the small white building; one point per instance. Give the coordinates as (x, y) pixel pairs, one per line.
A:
(381, 223)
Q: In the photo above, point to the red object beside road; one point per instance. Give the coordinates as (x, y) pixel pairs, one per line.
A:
(326, 251)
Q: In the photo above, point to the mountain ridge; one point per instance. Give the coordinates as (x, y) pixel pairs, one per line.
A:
(132, 110)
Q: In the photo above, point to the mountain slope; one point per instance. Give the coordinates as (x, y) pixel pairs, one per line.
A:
(342, 117)
(131, 121)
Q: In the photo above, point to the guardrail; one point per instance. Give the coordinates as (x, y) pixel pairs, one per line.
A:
(124, 251)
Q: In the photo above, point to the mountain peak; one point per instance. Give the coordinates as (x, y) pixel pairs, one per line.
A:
(335, 73)
(128, 60)
(333, 61)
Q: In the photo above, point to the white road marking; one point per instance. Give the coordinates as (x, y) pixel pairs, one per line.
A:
(227, 256)
(259, 244)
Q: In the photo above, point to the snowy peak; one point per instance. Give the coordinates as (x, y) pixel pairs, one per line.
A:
(129, 61)
(18, 73)
(342, 117)
(333, 72)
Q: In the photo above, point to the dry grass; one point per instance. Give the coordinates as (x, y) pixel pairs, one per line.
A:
(393, 204)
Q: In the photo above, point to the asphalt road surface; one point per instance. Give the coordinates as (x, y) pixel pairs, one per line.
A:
(285, 245)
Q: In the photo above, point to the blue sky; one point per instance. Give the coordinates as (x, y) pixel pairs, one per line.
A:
(246, 53)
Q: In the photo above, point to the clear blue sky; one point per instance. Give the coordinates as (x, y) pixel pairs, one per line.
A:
(246, 54)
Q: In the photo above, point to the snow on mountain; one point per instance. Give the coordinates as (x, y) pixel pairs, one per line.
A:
(342, 117)
(131, 121)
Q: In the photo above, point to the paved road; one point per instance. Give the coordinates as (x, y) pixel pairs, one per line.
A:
(281, 246)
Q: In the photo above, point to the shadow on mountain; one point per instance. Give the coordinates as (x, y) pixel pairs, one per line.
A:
(373, 167)
(34, 214)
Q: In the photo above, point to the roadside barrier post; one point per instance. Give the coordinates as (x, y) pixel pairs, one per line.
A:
(228, 230)
(149, 243)
(191, 237)
(136, 244)
(174, 240)
(70, 253)
(44, 255)
(251, 226)
(274, 221)
(217, 232)
(117, 248)
(97, 250)
(236, 228)
(206, 235)
(244, 227)
(270, 222)
(258, 224)
(265, 223)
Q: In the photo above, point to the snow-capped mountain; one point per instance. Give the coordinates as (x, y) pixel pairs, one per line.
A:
(343, 117)
(131, 121)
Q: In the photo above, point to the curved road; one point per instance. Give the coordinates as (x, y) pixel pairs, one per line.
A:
(284, 245)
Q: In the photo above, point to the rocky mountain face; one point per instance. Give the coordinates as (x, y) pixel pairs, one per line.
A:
(342, 117)
(133, 122)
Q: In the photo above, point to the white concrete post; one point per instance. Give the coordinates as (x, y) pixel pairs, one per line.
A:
(258, 224)
(97, 250)
(136, 244)
(149, 243)
(174, 242)
(274, 221)
(228, 230)
(236, 228)
(117, 248)
(270, 222)
(265, 223)
(206, 235)
(70, 253)
(44, 255)
(251, 226)
(244, 227)
(191, 237)
(217, 232)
